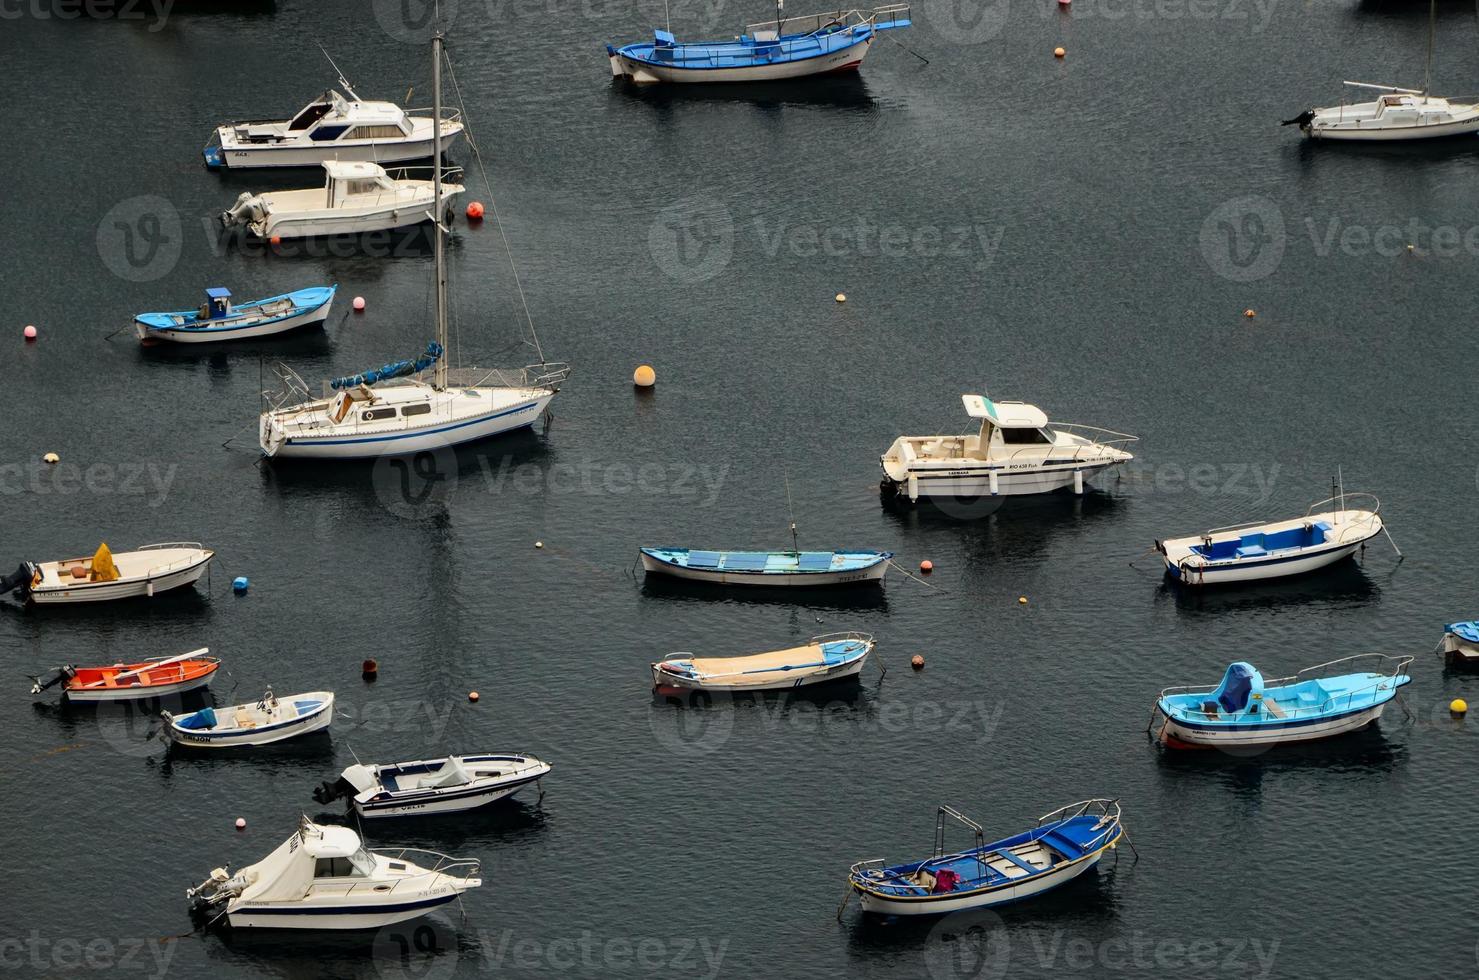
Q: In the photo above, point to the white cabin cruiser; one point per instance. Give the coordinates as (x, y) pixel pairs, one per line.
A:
(356, 198)
(450, 785)
(323, 877)
(408, 406)
(1015, 451)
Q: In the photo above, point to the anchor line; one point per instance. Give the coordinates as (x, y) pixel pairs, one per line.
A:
(905, 572)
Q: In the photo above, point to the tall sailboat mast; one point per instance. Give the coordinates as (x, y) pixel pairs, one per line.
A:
(439, 381)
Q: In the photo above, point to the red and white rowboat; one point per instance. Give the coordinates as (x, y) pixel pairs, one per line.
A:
(133, 681)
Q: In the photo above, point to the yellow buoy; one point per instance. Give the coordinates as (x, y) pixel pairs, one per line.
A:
(842, 297)
(1458, 706)
(52, 458)
(1021, 600)
(644, 376)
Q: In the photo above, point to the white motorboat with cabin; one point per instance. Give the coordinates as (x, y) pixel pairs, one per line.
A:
(1396, 114)
(356, 198)
(323, 877)
(1016, 451)
(451, 785)
(331, 127)
(105, 575)
(408, 406)
(1329, 531)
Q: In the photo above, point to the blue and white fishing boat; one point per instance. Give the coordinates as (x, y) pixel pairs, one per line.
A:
(1274, 549)
(784, 48)
(431, 786)
(1246, 710)
(217, 319)
(827, 658)
(1460, 643)
(1063, 845)
(769, 568)
(272, 719)
(323, 877)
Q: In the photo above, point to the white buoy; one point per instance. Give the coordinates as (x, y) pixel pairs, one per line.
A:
(241, 823)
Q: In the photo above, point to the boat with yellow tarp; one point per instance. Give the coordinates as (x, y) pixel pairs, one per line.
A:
(147, 571)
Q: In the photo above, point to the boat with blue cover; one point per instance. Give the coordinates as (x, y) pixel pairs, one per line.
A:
(1274, 549)
(827, 658)
(769, 568)
(218, 319)
(783, 48)
(1060, 847)
(453, 784)
(1247, 710)
(1460, 643)
(271, 719)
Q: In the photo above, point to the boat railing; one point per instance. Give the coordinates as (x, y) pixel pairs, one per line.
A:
(449, 113)
(459, 868)
(843, 636)
(1090, 432)
(170, 565)
(804, 27)
(1341, 503)
(1107, 810)
(1386, 669)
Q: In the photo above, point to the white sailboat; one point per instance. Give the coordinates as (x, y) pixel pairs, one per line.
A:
(408, 406)
(1397, 114)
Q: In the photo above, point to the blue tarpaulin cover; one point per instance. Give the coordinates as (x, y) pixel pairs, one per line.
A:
(393, 370)
(204, 718)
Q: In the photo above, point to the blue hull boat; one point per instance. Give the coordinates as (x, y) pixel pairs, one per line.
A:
(784, 48)
(218, 319)
(1246, 710)
(768, 568)
(1063, 845)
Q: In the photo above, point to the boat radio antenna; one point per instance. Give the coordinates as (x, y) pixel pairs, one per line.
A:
(342, 80)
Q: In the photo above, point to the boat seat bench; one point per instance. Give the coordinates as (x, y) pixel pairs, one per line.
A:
(1019, 862)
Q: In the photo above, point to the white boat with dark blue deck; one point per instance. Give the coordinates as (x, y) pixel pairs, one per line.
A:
(218, 319)
(768, 568)
(1063, 845)
(271, 719)
(783, 48)
(451, 785)
(323, 877)
(1275, 549)
(1014, 452)
(827, 658)
(1246, 710)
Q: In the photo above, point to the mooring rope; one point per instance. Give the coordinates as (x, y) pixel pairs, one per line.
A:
(907, 574)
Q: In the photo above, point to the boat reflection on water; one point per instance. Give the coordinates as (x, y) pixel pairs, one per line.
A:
(844, 91)
(822, 597)
(1345, 584)
(1368, 753)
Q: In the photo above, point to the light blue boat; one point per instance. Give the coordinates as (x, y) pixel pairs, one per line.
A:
(218, 319)
(776, 50)
(769, 568)
(1246, 710)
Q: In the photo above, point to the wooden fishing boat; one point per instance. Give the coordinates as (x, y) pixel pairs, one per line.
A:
(1063, 845)
(263, 722)
(1460, 644)
(770, 568)
(1246, 710)
(429, 786)
(218, 319)
(830, 657)
(152, 678)
(105, 575)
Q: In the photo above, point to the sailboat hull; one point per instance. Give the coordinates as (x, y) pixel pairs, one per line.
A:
(374, 445)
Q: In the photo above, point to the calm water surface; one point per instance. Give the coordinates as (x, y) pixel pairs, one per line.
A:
(1083, 234)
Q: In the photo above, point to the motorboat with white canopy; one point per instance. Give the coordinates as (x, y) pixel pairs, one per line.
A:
(323, 877)
(1015, 451)
(431, 786)
(356, 198)
(333, 126)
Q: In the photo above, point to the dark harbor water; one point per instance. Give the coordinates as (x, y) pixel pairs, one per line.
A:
(1083, 234)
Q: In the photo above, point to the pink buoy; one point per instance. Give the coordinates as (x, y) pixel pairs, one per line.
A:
(30, 332)
(359, 304)
(241, 823)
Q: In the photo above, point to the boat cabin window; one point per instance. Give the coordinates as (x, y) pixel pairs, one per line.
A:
(376, 414)
(419, 409)
(324, 134)
(1024, 437)
(308, 116)
(375, 133)
(361, 186)
(335, 868)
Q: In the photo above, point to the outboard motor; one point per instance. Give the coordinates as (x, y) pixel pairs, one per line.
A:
(17, 580)
(327, 792)
(246, 210)
(61, 675)
(1302, 120)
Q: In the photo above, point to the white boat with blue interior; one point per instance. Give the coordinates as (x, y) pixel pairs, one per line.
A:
(1247, 710)
(451, 785)
(768, 568)
(827, 658)
(1329, 531)
(263, 722)
(219, 319)
(1060, 847)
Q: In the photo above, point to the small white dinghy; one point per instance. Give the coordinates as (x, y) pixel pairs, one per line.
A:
(272, 719)
(356, 198)
(1274, 549)
(450, 785)
(105, 575)
(830, 657)
(323, 877)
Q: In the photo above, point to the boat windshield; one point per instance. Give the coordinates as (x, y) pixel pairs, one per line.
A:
(357, 865)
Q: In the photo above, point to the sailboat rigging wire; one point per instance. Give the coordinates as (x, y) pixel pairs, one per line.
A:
(493, 207)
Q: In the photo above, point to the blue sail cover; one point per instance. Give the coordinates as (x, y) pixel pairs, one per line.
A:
(395, 369)
(1239, 683)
